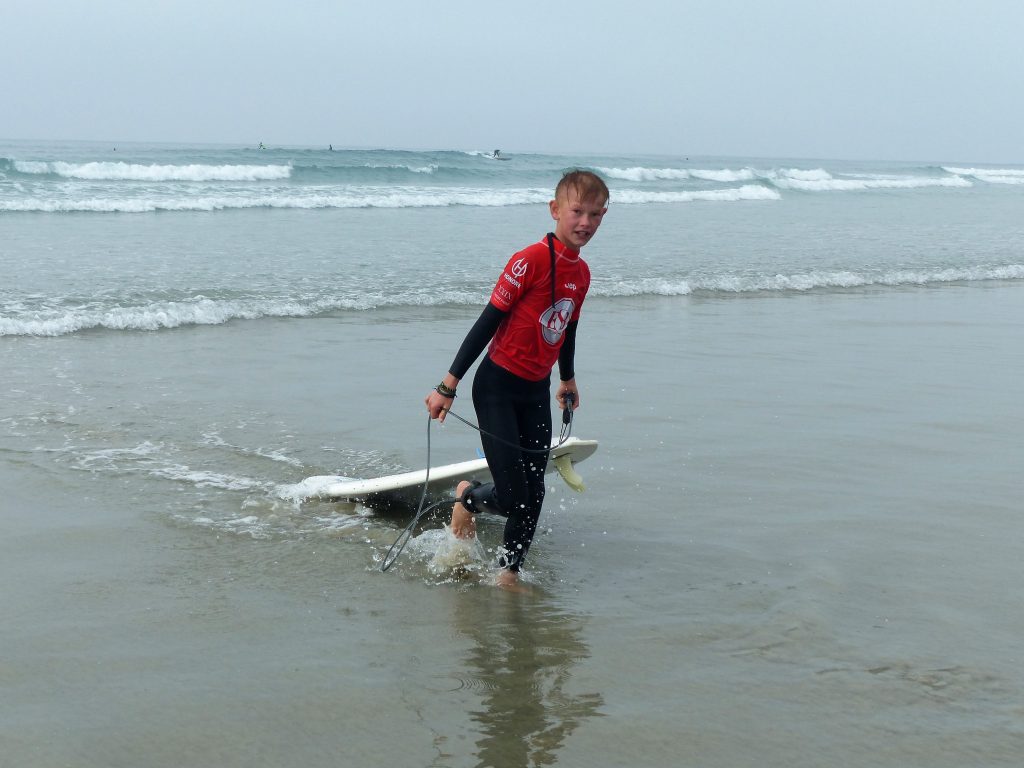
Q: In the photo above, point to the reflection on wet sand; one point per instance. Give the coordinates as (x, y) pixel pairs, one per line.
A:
(523, 653)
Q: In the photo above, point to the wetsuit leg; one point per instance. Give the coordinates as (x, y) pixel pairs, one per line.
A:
(518, 413)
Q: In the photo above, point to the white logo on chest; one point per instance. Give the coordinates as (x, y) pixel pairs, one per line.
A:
(554, 320)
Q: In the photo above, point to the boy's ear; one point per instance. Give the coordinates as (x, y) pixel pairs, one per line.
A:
(553, 207)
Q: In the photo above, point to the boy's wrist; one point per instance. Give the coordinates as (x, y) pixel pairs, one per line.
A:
(444, 390)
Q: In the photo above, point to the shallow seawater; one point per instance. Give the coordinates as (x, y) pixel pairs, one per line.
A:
(795, 545)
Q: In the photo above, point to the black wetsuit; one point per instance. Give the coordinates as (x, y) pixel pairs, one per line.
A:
(514, 414)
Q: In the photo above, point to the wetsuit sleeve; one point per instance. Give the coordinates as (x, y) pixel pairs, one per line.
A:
(478, 337)
(567, 354)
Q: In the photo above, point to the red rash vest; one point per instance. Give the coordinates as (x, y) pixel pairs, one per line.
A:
(528, 339)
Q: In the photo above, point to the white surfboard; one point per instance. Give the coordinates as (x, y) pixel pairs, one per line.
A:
(405, 489)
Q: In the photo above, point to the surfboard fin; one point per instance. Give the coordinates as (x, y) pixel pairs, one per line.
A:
(565, 468)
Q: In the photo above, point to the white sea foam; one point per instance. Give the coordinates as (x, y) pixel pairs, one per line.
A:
(820, 180)
(310, 488)
(725, 175)
(644, 174)
(150, 459)
(212, 438)
(274, 455)
(154, 316)
(24, 321)
(120, 171)
(108, 458)
(733, 194)
(807, 281)
(310, 198)
(800, 174)
(204, 311)
(803, 179)
(808, 179)
(990, 175)
(403, 167)
(651, 286)
(207, 479)
(801, 281)
(637, 173)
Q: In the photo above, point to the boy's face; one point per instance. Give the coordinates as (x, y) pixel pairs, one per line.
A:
(577, 219)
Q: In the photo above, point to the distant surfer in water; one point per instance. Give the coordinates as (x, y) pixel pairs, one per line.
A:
(529, 324)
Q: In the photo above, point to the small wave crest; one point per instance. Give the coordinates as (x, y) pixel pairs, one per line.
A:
(120, 171)
(802, 281)
(820, 180)
(807, 179)
(725, 175)
(990, 175)
(729, 195)
(312, 198)
(644, 174)
(428, 169)
(152, 317)
(206, 311)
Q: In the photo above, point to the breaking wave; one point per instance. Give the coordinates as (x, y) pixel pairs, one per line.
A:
(207, 311)
(98, 171)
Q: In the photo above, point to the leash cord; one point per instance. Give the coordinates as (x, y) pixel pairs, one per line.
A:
(563, 434)
(406, 535)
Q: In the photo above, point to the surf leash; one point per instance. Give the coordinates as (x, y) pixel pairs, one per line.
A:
(395, 550)
(563, 435)
(406, 535)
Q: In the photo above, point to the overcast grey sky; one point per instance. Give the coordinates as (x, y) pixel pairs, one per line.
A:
(873, 79)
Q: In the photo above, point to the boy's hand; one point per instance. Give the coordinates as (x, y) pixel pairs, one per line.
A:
(438, 405)
(564, 388)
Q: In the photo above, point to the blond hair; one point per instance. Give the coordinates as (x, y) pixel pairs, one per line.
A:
(588, 186)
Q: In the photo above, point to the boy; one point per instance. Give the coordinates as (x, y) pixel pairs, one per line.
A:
(530, 323)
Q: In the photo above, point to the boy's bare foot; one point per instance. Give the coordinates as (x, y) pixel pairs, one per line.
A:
(463, 522)
(509, 580)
